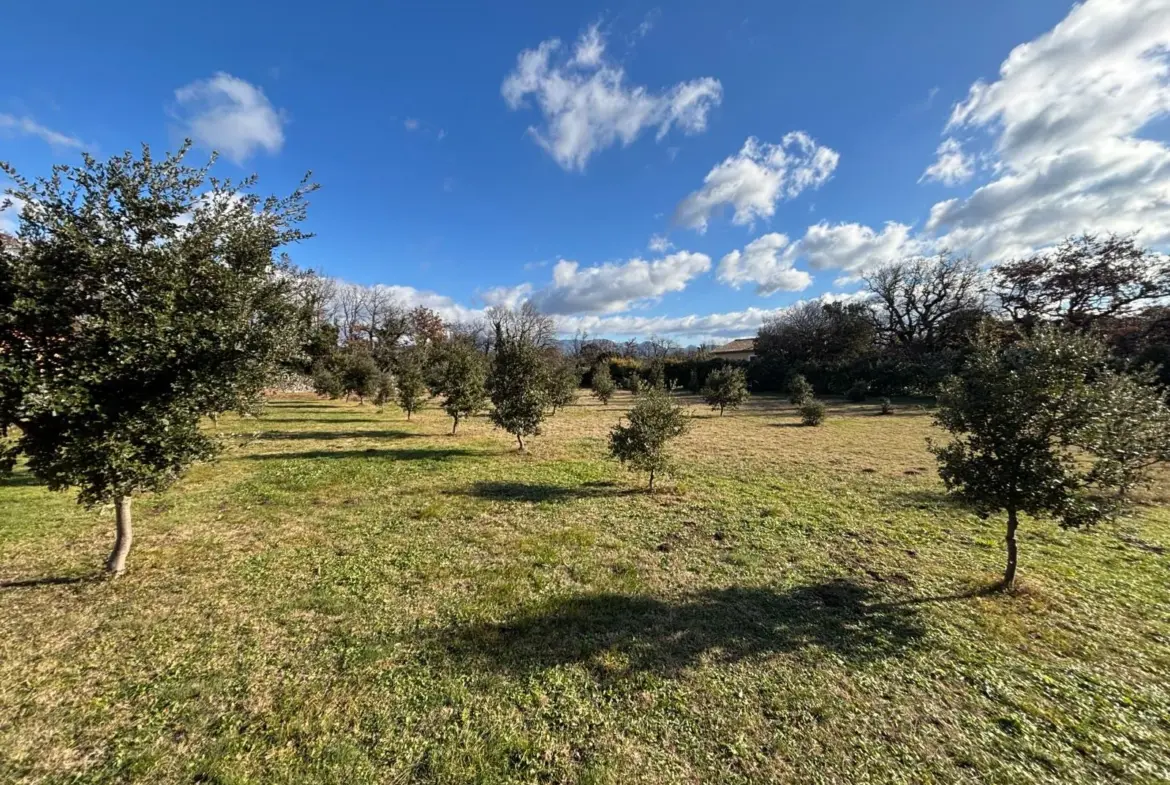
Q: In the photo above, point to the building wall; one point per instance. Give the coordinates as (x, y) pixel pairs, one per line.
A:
(733, 355)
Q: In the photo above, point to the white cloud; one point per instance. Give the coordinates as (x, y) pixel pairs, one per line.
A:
(659, 243)
(952, 166)
(506, 296)
(757, 177)
(587, 105)
(693, 327)
(1064, 118)
(856, 248)
(609, 288)
(410, 124)
(230, 115)
(766, 262)
(26, 126)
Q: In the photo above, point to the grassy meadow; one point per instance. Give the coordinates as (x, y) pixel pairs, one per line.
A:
(348, 597)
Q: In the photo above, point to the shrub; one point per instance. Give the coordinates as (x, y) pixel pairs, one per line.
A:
(799, 390)
(359, 375)
(563, 383)
(635, 384)
(603, 384)
(327, 382)
(412, 388)
(653, 422)
(517, 383)
(812, 412)
(726, 387)
(887, 407)
(858, 391)
(384, 390)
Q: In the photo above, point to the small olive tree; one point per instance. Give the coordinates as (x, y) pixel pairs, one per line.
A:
(359, 375)
(384, 391)
(564, 381)
(1043, 426)
(642, 444)
(518, 384)
(141, 296)
(725, 387)
(602, 383)
(463, 381)
(799, 390)
(410, 382)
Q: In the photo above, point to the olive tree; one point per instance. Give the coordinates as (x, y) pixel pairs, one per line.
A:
(517, 383)
(799, 390)
(725, 387)
(463, 381)
(410, 382)
(563, 382)
(1042, 426)
(140, 297)
(602, 383)
(642, 444)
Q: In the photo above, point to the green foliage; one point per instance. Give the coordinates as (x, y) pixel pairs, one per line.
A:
(887, 407)
(656, 373)
(563, 383)
(1043, 426)
(518, 384)
(812, 412)
(858, 391)
(726, 387)
(327, 381)
(635, 383)
(693, 383)
(799, 390)
(384, 391)
(360, 375)
(602, 383)
(410, 381)
(463, 381)
(140, 298)
(642, 444)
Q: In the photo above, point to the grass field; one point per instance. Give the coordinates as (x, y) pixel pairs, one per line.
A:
(349, 597)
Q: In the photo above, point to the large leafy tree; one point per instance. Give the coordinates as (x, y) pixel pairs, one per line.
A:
(1085, 280)
(141, 296)
(642, 443)
(1043, 426)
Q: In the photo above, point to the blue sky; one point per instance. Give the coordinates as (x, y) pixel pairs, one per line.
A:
(466, 160)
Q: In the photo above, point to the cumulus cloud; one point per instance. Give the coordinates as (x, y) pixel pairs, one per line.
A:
(855, 248)
(506, 296)
(756, 178)
(587, 105)
(609, 288)
(952, 166)
(27, 126)
(766, 262)
(229, 115)
(1064, 119)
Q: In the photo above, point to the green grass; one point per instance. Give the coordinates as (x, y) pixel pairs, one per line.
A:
(348, 597)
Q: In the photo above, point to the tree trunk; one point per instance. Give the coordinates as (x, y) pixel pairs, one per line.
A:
(408, 415)
(455, 425)
(520, 441)
(720, 411)
(116, 564)
(1009, 573)
(651, 479)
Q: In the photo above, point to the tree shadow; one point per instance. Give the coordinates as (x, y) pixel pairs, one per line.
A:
(421, 454)
(541, 492)
(19, 480)
(330, 435)
(323, 420)
(644, 634)
(285, 405)
(29, 583)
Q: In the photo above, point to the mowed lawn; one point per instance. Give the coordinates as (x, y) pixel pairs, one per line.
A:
(349, 597)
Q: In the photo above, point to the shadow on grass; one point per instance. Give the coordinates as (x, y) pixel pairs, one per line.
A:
(619, 633)
(30, 583)
(422, 454)
(330, 435)
(19, 480)
(285, 405)
(542, 492)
